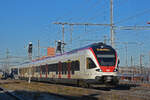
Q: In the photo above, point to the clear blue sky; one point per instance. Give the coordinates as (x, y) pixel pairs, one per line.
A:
(22, 21)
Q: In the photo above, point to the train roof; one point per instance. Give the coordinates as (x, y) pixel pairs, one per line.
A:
(93, 45)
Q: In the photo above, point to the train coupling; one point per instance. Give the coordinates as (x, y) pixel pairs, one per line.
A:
(108, 79)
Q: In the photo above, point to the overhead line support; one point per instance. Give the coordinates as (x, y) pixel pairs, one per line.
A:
(131, 27)
(112, 24)
(82, 24)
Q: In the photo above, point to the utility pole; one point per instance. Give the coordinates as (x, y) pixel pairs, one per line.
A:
(7, 53)
(7, 59)
(131, 61)
(141, 63)
(71, 30)
(63, 32)
(141, 60)
(105, 39)
(126, 48)
(38, 48)
(132, 68)
(149, 59)
(112, 24)
(63, 29)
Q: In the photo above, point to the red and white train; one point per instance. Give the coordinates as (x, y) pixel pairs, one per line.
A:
(94, 64)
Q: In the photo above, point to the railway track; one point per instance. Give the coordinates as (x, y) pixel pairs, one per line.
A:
(7, 95)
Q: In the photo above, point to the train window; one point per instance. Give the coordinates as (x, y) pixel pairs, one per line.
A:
(72, 67)
(52, 67)
(56, 68)
(39, 69)
(77, 65)
(64, 68)
(43, 67)
(36, 69)
(90, 63)
(14, 70)
(72, 70)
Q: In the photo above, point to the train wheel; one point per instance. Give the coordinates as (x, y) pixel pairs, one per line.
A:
(115, 82)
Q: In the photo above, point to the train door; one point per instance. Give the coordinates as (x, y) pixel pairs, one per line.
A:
(69, 69)
(81, 65)
(46, 73)
(90, 67)
(59, 69)
(40, 71)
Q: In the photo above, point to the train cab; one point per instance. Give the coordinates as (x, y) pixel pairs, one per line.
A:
(102, 63)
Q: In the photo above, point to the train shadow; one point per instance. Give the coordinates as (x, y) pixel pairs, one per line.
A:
(30, 95)
(97, 87)
(100, 87)
(124, 86)
(117, 87)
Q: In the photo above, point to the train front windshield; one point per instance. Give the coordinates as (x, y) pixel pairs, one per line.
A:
(105, 56)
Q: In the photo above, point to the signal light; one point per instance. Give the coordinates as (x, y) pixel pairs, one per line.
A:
(30, 47)
(59, 46)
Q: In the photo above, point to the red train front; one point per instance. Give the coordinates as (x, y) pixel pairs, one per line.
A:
(105, 60)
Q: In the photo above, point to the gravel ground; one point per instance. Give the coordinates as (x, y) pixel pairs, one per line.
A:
(46, 91)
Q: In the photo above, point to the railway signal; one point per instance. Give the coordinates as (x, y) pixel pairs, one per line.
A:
(60, 46)
(30, 46)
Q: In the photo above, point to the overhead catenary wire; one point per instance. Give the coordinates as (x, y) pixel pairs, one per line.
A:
(100, 11)
(134, 16)
(68, 13)
(89, 9)
(106, 9)
(122, 22)
(80, 6)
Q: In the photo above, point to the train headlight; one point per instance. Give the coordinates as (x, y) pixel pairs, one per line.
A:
(98, 70)
(116, 70)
